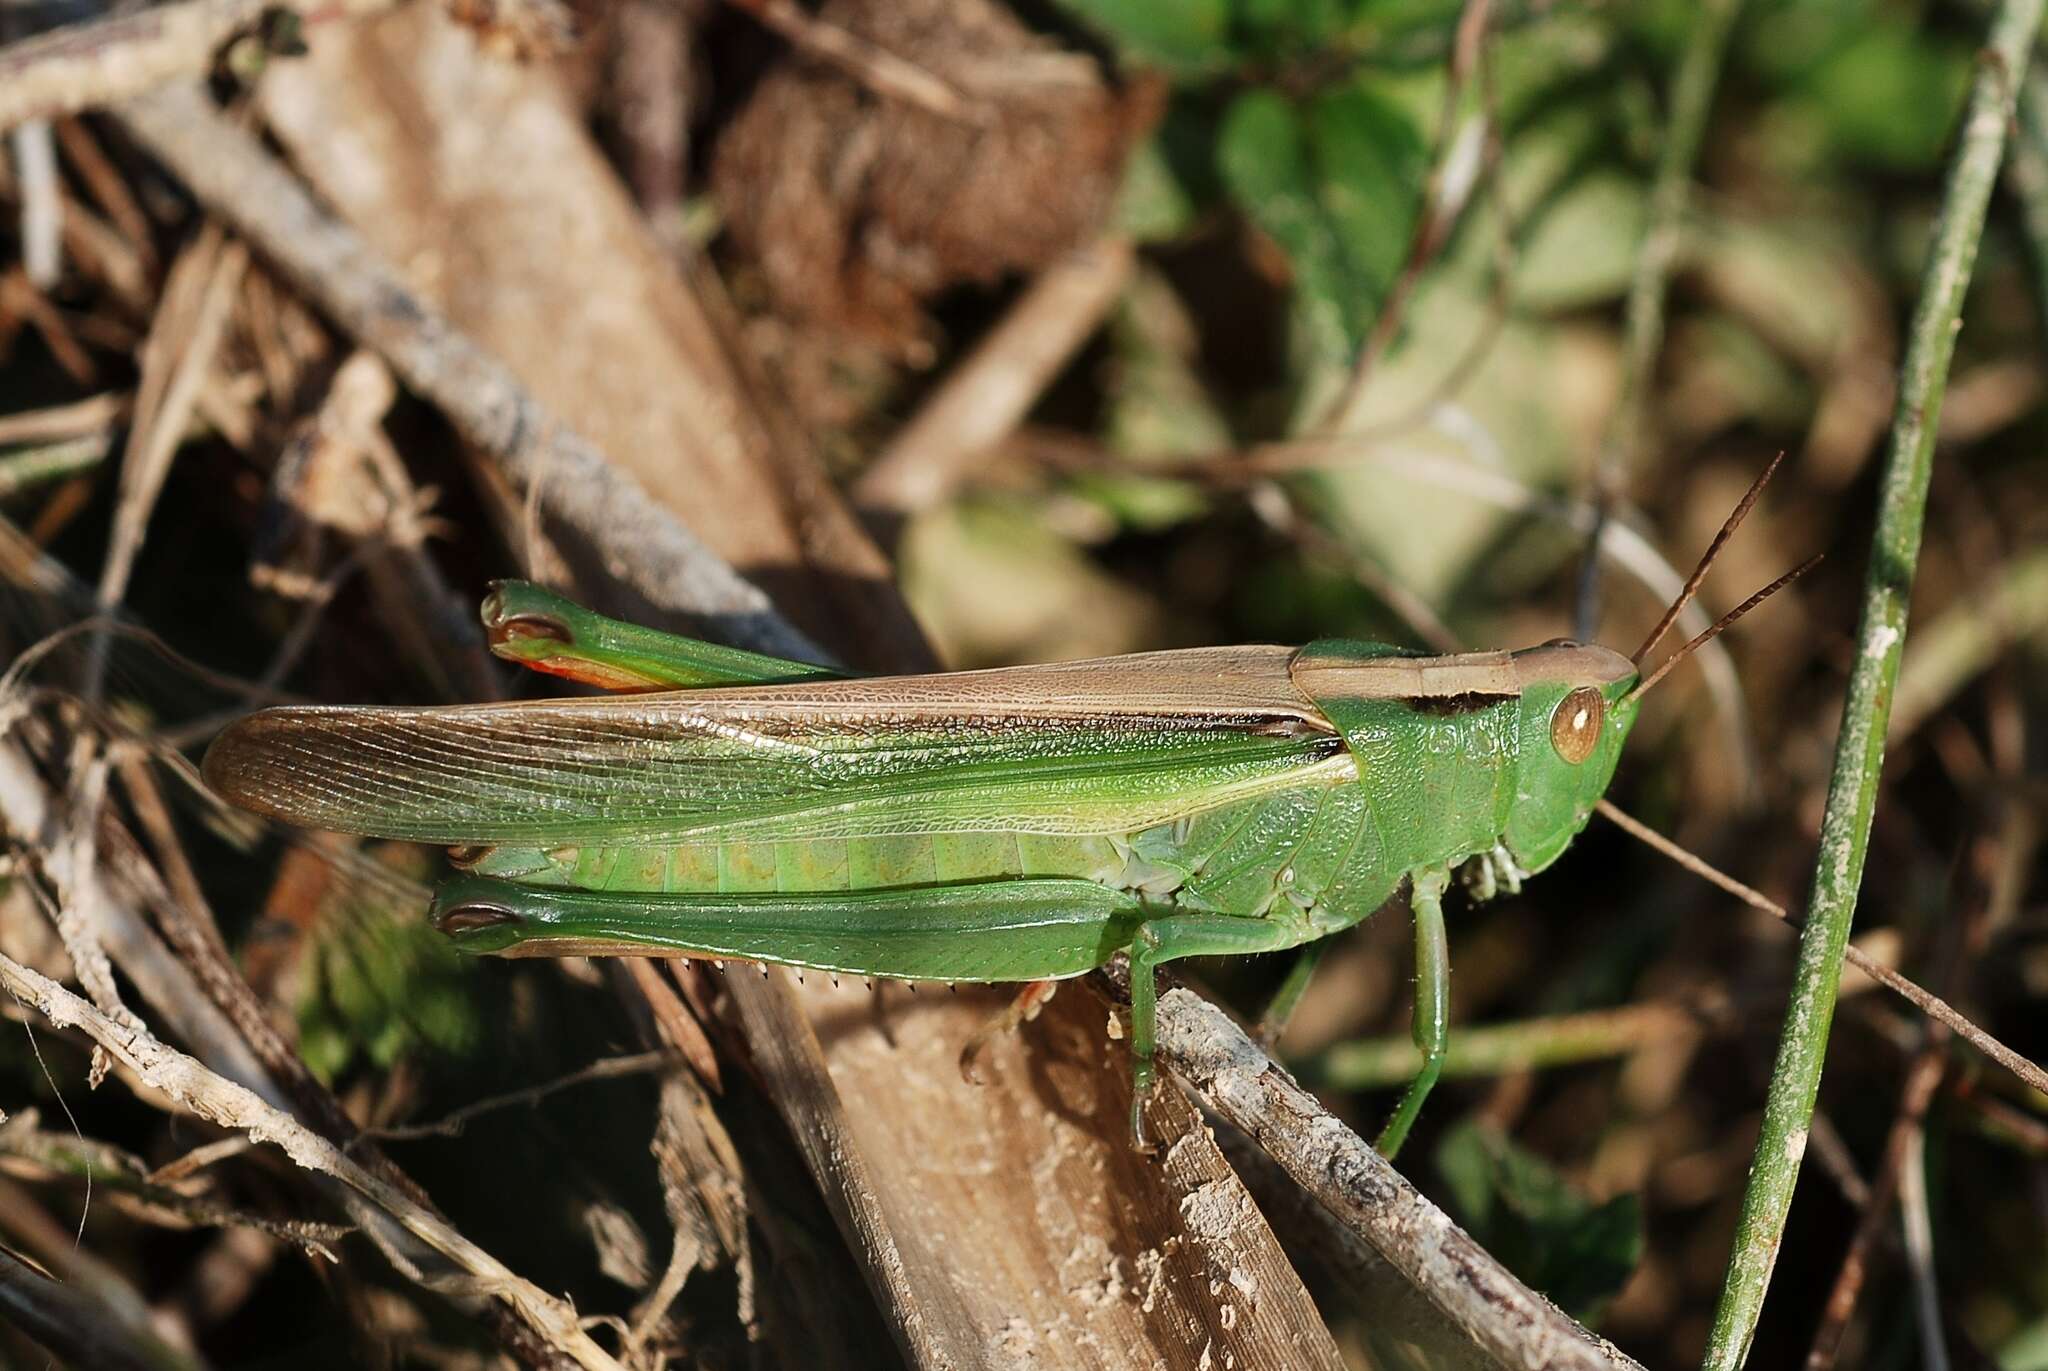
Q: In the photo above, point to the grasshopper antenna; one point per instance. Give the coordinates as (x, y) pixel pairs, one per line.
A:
(1721, 625)
(1906, 988)
(1699, 573)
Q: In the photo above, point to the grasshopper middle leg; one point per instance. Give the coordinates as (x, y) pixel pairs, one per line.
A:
(1432, 1002)
(1186, 935)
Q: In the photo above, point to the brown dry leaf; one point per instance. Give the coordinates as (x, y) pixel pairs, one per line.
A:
(858, 206)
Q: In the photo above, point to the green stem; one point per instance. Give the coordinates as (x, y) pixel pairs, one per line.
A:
(27, 468)
(1880, 638)
(1496, 1049)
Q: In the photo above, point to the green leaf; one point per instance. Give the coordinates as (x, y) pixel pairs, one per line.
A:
(383, 985)
(1153, 205)
(1187, 37)
(1335, 181)
(1556, 1239)
(1891, 97)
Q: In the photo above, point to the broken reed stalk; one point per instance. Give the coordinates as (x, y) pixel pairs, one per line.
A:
(1866, 711)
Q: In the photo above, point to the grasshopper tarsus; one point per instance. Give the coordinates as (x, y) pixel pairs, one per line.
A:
(1141, 1141)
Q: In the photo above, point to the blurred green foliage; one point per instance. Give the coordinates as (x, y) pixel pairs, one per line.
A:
(1520, 1209)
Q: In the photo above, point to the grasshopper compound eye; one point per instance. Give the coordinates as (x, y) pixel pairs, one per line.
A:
(1575, 727)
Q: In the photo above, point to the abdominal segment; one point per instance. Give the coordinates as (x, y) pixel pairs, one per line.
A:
(1315, 849)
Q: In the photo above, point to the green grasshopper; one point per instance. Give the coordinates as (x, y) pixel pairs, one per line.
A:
(1020, 824)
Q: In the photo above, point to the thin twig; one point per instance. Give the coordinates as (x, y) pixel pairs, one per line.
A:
(27, 468)
(1926, 1001)
(451, 1124)
(1914, 1098)
(1880, 641)
(238, 180)
(988, 394)
(175, 360)
(1281, 510)
(872, 65)
(1443, 200)
(108, 60)
(79, 419)
(147, 1194)
(42, 202)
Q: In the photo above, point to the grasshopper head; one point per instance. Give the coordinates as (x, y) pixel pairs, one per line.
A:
(1575, 716)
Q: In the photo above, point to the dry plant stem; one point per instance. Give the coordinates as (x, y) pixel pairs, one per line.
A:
(38, 1236)
(31, 467)
(1440, 208)
(233, 1106)
(338, 472)
(1926, 1001)
(126, 1182)
(26, 810)
(109, 190)
(988, 394)
(677, 1022)
(41, 221)
(1917, 1218)
(1921, 1083)
(1510, 1322)
(77, 1328)
(1692, 98)
(1281, 511)
(109, 60)
(79, 419)
(1880, 641)
(873, 623)
(874, 66)
(231, 173)
(1389, 1306)
(277, 1073)
(176, 358)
